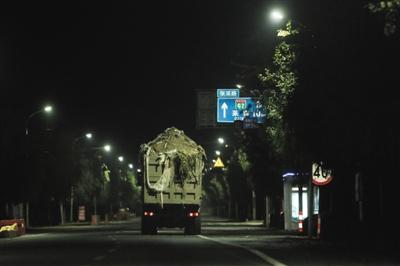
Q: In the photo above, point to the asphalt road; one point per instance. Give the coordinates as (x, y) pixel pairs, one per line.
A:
(221, 243)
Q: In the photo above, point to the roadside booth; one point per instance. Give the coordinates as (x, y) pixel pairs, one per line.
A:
(296, 201)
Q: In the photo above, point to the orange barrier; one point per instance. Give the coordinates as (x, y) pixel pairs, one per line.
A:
(300, 221)
(17, 225)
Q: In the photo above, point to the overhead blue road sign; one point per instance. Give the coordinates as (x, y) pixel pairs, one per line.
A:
(232, 109)
(228, 93)
(249, 123)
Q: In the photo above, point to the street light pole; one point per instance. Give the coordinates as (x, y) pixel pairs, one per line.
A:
(27, 121)
(46, 109)
(106, 148)
(87, 136)
(278, 16)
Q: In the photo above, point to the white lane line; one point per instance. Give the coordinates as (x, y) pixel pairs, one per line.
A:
(258, 253)
(98, 258)
(112, 250)
(34, 235)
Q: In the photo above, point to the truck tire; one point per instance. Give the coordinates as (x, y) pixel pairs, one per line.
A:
(197, 226)
(193, 227)
(148, 228)
(188, 229)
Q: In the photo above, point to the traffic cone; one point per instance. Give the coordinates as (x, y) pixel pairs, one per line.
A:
(300, 221)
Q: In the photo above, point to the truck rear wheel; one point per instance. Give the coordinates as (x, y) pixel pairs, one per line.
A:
(193, 226)
(148, 227)
(197, 226)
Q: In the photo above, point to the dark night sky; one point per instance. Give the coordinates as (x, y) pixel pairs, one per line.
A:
(128, 69)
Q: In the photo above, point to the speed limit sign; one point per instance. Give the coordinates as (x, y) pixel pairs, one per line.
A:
(320, 175)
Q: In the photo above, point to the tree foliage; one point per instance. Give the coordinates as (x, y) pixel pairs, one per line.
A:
(390, 9)
(279, 82)
(215, 188)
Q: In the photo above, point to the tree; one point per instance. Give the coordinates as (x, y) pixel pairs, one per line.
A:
(279, 82)
(90, 183)
(390, 9)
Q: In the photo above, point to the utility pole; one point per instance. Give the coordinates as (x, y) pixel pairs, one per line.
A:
(253, 197)
(71, 213)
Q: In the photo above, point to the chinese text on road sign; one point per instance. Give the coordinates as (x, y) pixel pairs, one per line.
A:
(233, 109)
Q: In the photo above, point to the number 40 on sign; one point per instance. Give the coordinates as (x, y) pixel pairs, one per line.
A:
(320, 175)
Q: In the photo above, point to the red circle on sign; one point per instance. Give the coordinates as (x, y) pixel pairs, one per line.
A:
(322, 181)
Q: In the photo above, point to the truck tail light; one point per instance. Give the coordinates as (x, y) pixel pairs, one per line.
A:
(148, 213)
(194, 214)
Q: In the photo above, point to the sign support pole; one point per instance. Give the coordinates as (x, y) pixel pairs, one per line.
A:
(310, 204)
(301, 225)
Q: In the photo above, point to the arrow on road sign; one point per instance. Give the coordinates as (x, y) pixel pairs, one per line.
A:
(224, 107)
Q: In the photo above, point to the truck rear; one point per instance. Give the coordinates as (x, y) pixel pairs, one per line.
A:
(172, 178)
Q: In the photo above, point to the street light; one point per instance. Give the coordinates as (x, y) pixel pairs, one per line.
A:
(87, 136)
(130, 166)
(239, 86)
(276, 15)
(107, 148)
(218, 153)
(221, 140)
(46, 109)
(121, 158)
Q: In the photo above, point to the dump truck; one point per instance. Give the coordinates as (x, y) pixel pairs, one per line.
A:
(171, 182)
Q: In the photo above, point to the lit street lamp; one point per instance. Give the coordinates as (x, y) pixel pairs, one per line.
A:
(239, 86)
(87, 136)
(221, 140)
(276, 15)
(218, 153)
(46, 109)
(106, 148)
(130, 166)
(121, 158)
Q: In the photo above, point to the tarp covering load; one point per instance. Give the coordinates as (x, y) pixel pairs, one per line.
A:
(178, 156)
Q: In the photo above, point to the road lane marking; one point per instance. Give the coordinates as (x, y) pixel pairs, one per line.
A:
(112, 250)
(258, 253)
(35, 235)
(98, 258)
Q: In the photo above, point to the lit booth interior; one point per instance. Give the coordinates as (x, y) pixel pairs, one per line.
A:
(296, 201)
